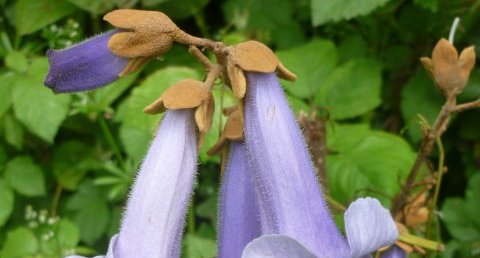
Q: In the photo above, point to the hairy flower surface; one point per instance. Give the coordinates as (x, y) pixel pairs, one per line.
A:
(394, 252)
(85, 66)
(239, 222)
(290, 200)
(152, 224)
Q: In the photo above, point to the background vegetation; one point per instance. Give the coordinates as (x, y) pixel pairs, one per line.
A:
(67, 161)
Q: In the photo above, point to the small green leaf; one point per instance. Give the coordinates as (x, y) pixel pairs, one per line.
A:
(431, 5)
(20, 242)
(197, 247)
(420, 97)
(16, 61)
(352, 89)
(32, 15)
(181, 9)
(105, 96)
(324, 11)
(25, 176)
(312, 63)
(68, 234)
(6, 202)
(6, 87)
(91, 212)
(364, 162)
(13, 131)
(137, 128)
(36, 106)
(71, 160)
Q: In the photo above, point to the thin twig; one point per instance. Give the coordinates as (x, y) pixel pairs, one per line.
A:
(466, 106)
(195, 52)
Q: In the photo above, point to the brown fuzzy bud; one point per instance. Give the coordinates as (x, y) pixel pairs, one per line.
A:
(142, 33)
(449, 71)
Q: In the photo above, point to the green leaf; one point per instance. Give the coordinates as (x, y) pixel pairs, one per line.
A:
(137, 127)
(271, 21)
(181, 9)
(6, 87)
(197, 247)
(461, 215)
(71, 160)
(364, 162)
(105, 96)
(312, 63)
(13, 131)
(16, 61)
(352, 89)
(93, 6)
(25, 176)
(431, 5)
(32, 15)
(91, 212)
(36, 106)
(20, 242)
(6, 202)
(324, 11)
(68, 234)
(420, 97)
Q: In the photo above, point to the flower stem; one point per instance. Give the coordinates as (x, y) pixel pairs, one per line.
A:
(191, 218)
(441, 161)
(111, 141)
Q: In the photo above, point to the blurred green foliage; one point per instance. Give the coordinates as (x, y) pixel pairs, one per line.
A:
(67, 161)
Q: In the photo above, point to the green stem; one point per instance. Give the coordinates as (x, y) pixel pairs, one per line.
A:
(110, 140)
(441, 161)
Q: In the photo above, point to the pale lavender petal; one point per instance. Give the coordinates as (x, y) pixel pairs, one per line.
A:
(85, 66)
(289, 195)
(369, 226)
(111, 246)
(394, 252)
(154, 218)
(239, 221)
(276, 246)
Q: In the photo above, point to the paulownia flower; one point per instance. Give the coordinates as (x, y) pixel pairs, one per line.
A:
(294, 216)
(394, 252)
(153, 221)
(103, 59)
(239, 221)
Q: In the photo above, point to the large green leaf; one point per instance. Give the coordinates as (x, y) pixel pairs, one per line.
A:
(93, 6)
(71, 160)
(461, 215)
(198, 247)
(137, 127)
(312, 63)
(6, 202)
(104, 97)
(25, 176)
(366, 162)
(91, 212)
(324, 11)
(68, 234)
(32, 15)
(20, 242)
(36, 106)
(352, 89)
(420, 97)
(13, 131)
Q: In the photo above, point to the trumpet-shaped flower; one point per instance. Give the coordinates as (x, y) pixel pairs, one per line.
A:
(239, 222)
(394, 252)
(153, 221)
(290, 201)
(85, 66)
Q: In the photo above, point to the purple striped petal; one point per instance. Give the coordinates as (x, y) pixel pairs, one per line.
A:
(153, 222)
(394, 252)
(85, 66)
(276, 246)
(369, 226)
(289, 195)
(239, 219)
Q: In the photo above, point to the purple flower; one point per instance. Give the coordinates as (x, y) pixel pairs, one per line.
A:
(291, 205)
(153, 221)
(394, 252)
(85, 66)
(238, 221)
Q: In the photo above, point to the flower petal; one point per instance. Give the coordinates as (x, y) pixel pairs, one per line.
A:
(85, 66)
(369, 226)
(291, 202)
(394, 252)
(239, 222)
(277, 246)
(152, 225)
